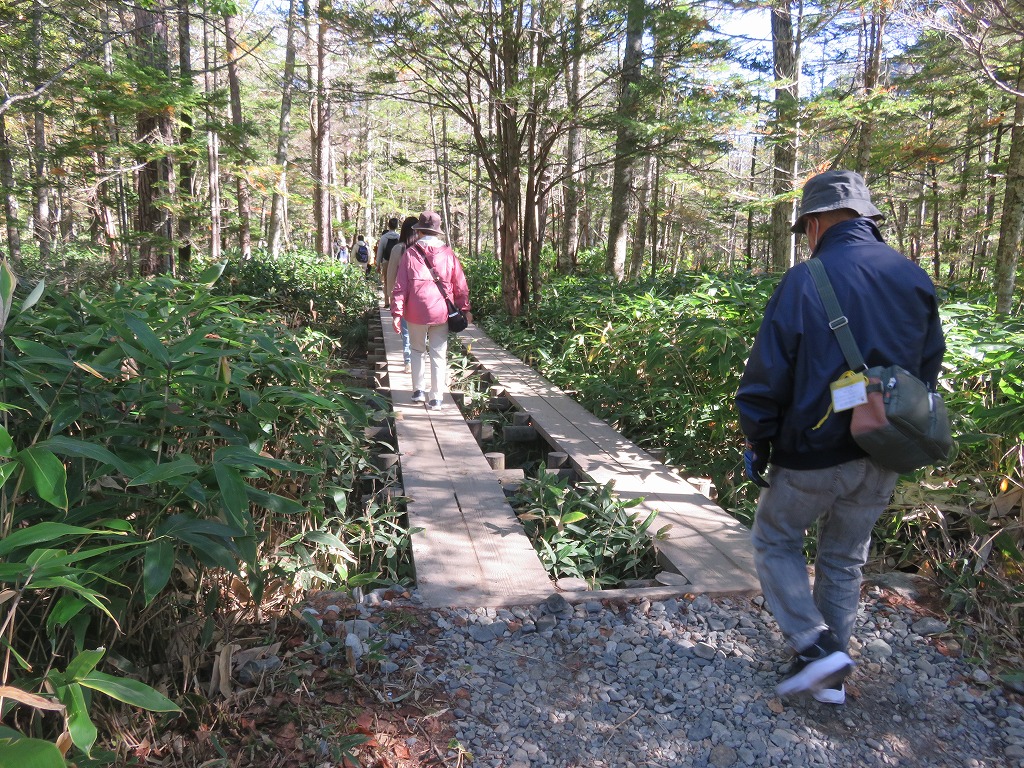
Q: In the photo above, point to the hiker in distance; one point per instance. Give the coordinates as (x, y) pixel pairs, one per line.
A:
(406, 237)
(362, 253)
(385, 245)
(423, 303)
(799, 449)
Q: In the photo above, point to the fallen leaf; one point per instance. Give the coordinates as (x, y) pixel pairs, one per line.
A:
(402, 752)
(365, 720)
(776, 706)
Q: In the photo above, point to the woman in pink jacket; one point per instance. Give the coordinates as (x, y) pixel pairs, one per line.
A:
(416, 297)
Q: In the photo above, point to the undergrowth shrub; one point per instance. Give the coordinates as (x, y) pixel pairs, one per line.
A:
(165, 453)
(306, 289)
(583, 531)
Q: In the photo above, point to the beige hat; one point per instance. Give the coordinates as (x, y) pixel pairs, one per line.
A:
(429, 222)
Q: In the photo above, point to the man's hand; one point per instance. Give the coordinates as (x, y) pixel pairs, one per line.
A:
(755, 462)
(396, 323)
(469, 317)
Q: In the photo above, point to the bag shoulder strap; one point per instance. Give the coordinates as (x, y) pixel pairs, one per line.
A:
(437, 280)
(836, 319)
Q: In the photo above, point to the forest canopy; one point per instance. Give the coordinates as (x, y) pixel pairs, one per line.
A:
(665, 135)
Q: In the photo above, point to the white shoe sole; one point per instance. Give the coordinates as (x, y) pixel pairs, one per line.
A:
(816, 675)
(830, 695)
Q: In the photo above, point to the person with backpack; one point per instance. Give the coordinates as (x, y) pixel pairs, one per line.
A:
(340, 249)
(420, 300)
(386, 244)
(361, 250)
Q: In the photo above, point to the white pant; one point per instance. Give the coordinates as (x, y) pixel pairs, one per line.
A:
(437, 336)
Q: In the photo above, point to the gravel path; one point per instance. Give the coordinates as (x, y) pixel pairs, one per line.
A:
(690, 683)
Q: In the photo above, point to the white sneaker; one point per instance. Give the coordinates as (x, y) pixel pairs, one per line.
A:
(830, 695)
(434, 405)
(419, 396)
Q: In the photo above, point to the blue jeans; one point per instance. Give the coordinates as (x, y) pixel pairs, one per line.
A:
(406, 350)
(846, 500)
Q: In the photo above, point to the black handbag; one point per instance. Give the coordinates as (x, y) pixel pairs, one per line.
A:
(457, 320)
(903, 426)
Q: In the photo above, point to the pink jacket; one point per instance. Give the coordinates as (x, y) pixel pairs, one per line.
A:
(415, 296)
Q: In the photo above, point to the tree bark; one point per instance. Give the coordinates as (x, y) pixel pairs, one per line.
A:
(1012, 223)
(872, 70)
(43, 225)
(626, 141)
(152, 126)
(239, 141)
(10, 199)
(572, 193)
(321, 120)
(279, 201)
(186, 168)
(786, 54)
(212, 146)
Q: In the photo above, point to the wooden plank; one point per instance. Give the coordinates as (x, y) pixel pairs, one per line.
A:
(705, 544)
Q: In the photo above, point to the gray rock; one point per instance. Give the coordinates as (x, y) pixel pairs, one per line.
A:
(929, 626)
(253, 671)
(555, 603)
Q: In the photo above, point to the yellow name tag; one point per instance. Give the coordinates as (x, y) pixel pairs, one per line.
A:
(849, 391)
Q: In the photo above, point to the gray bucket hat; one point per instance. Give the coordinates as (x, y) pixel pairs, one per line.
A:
(833, 190)
(429, 222)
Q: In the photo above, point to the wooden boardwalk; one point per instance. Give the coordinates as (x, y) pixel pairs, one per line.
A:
(473, 551)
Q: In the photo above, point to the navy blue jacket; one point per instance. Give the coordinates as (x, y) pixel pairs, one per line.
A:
(893, 312)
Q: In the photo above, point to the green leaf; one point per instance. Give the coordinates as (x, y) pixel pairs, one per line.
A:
(8, 283)
(235, 497)
(30, 753)
(130, 692)
(33, 298)
(40, 353)
(40, 532)
(245, 457)
(80, 725)
(211, 274)
(6, 444)
(6, 470)
(73, 446)
(46, 472)
(159, 563)
(149, 340)
(83, 664)
(65, 609)
(181, 465)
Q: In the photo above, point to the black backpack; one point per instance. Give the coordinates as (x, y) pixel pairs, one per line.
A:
(362, 253)
(390, 246)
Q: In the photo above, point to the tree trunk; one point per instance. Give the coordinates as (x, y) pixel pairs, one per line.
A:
(212, 146)
(785, 130)
(186, 184)
(41, 217)
(7, 190)
(1012, 223)
(571, 188)
(279, 201)
(153, 175)
(872, 70)
(626, 141)
(239, 141)
(643, 216)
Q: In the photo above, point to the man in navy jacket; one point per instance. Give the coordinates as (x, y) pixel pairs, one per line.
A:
(818, 473)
